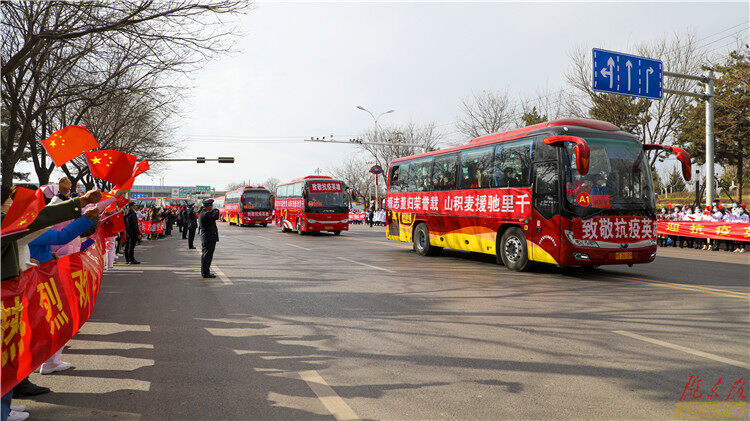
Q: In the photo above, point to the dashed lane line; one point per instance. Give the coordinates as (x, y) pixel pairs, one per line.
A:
(299, 247)
(683, 349)
(328, 397)
(365, 264)
(224, 278)
(265, 238)
(687, 287)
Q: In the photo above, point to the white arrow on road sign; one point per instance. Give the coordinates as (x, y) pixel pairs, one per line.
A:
(610, 74)
(648, 72)
(629, 66)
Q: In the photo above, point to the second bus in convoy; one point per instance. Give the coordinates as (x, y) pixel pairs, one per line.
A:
(312, 203)
(566, 192)
(249, 206)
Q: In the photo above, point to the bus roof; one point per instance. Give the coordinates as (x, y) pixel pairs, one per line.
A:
(519, 133)
(309, 177)
(248, 188)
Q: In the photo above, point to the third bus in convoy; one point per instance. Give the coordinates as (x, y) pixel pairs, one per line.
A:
(312, 203)
(566, 192)
(249, 206)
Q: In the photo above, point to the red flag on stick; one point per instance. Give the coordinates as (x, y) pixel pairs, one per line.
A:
(113, 166)
(113, 225)
(26, 206)
(67, 143)
(139, 169)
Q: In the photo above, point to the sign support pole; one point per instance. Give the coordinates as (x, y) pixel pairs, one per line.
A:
(710, 138)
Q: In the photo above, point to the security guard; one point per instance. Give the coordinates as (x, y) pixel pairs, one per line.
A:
(191, 225)
(209, 235)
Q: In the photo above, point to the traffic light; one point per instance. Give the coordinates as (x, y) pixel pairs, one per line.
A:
(226, 160)
(200, 159)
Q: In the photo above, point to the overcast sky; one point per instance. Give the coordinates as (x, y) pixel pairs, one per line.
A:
(302, 68)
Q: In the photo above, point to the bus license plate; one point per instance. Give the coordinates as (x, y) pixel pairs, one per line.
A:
(329, 227)
(623, 255)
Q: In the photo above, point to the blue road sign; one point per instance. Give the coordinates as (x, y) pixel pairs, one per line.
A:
(625, 74)
(138, 195)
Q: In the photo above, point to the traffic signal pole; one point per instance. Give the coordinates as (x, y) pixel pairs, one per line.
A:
(708, 97)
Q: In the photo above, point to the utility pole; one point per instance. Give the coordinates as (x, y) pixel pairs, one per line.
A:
(708, 96)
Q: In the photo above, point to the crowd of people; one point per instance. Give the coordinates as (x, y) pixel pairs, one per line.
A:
(717, 212)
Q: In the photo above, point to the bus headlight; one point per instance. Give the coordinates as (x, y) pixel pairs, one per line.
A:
(580, 243)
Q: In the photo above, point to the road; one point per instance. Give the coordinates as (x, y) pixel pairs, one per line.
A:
(357, 326)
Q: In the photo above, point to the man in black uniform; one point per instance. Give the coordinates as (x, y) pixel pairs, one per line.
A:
(183, 221)
(191, 225)
(132, 234)
(209, 236)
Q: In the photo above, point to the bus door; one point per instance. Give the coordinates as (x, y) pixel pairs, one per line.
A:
(545, 221)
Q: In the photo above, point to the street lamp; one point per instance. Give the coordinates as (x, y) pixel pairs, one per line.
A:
(375, 119)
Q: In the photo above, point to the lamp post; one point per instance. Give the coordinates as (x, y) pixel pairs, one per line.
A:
(375, 119)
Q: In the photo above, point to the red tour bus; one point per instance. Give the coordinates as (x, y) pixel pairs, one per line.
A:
(312, 203)
(219, 204)
(566, 192)
(249, 206)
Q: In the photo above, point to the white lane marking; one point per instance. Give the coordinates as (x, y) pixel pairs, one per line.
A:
(265, 238)
(683, 349)
(365, 264)
(224, 278)
(299, 247)
(330, 399)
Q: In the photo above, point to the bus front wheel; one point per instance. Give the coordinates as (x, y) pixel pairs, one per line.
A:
(283, 227)
(513, 250)
(337, 232)
(422, 241)
(264, 225)
(299, 228)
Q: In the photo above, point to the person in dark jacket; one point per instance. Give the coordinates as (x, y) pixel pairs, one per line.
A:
(209, 236)
(132, 234)
(192, 224)
(183, 221)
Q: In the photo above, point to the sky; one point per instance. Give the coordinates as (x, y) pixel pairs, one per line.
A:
(301, 69)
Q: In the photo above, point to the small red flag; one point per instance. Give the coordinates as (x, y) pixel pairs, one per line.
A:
(139, 169)
(26, 206)
(113, 225)
(113, 166)
(68, 142)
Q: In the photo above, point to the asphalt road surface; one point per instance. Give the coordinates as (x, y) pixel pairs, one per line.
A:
(356, 326)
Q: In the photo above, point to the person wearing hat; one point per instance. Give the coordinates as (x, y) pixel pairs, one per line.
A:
(209, 236)
(191, 223)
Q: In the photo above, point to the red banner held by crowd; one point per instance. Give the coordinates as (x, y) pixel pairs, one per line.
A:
(733, 231)
(45, 307)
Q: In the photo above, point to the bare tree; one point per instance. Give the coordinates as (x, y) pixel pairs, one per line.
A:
(354, 172)
(486, 112)
(394, 137)
(271, 184)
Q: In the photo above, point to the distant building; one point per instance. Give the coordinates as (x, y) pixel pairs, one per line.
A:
(142, 190)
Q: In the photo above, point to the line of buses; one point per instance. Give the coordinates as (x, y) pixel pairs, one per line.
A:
(570, 192)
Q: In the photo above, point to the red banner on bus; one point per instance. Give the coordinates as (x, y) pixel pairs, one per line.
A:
(615, 229)
(45, 307)
(324, 187)
(508, 203)
(735, 231)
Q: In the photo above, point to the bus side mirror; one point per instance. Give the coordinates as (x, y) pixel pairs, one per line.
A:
(581, 149)
(682, 156)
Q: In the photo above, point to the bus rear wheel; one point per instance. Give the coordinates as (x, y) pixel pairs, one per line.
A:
(421, 240)
(513, 250)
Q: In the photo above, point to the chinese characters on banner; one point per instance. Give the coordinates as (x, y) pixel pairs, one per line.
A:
(258, 213)
(45, 307)
(615, 228)
(294, 203)
(511, 203)
(716, 230)
(324, 187)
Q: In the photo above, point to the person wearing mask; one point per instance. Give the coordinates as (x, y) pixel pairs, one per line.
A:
(209, 236)
(132, 234)
(192, 225)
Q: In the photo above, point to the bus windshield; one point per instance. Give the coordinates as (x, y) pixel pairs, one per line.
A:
(619, 177)
(326, 197)
(257, 200)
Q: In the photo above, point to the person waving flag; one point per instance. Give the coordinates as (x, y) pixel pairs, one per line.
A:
(113, 166)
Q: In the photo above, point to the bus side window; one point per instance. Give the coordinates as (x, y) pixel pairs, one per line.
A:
(402, 177)
(546, 188)
(419, 175)
(444, 172)
(395, 182)
(513, 164)
(476, 168)
(297, 192)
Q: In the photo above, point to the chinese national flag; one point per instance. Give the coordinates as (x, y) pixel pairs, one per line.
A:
(26, 206)
(69, 142)
(113, 166)
(113, 225)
